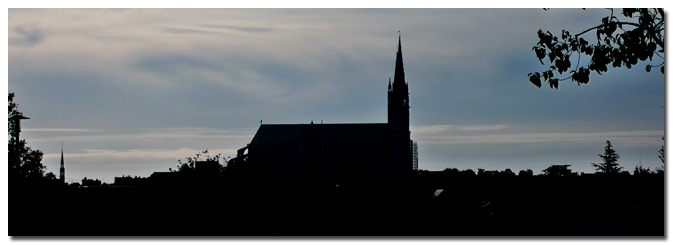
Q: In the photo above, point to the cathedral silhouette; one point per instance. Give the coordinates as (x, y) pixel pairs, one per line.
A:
(353, 149)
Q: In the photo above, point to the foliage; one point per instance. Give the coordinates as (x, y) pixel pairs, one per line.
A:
(526, 173)
(659, 170)
(661, 152)
(558, 170)
(661, 156)
(190, 162)
(482, 172)
(50, 175)
(468, 172)
(25, 164)
(640, 170)
(452, 171)
(609, 164)
(618, 43)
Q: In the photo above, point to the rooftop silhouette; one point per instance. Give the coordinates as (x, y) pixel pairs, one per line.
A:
(341, 149)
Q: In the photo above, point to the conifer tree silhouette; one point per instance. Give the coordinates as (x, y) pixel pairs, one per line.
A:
(609, 164)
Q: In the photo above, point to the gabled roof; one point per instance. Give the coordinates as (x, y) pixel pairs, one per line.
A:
(337, 133)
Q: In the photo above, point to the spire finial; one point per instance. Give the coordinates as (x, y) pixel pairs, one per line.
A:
(399, 44)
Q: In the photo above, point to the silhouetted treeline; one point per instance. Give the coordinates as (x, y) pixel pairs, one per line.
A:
(429, 203)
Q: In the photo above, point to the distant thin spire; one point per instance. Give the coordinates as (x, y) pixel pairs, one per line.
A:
(62, 172)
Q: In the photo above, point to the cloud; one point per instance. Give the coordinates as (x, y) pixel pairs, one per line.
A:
(28, 35)
(214, 29)
(175, 30)
(241, 28)
(160, 134)
(82, 130)
(172, 64)
(91, 155)
(483, 127)
(438, 129)
(443, 135)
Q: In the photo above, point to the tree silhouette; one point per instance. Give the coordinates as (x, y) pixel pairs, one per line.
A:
(190, 162)
(661, 156)
(508, 172)
(526, 173)
(640, 170)
(661, 152)
(659, 170)
(558, 170)
(25, 164)
(451, 171)
(468, 173)
(609, 164)
(618, 43)
(50, 176)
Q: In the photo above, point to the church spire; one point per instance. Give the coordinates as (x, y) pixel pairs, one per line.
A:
(398, 97)
(62, 175)
(399, 65)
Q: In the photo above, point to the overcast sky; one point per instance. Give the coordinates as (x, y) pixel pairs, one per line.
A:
(129, 92)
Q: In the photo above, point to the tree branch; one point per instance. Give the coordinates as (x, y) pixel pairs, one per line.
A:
(617, 22)
(657, 53)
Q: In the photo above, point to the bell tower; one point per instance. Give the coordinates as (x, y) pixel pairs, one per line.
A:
(398, 97)
(398, 117)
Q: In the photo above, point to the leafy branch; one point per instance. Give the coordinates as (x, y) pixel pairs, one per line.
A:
(619, 43)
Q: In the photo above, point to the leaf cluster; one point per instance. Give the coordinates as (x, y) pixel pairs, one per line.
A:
(661, 152)
(619, 43)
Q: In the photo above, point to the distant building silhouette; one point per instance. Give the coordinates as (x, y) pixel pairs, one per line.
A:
(89, 182)
(128, 181)
(382, 149)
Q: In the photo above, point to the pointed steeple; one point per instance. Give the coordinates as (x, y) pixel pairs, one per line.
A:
(62, 175)
(398, 97)
(398, 116)
(399, 65)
